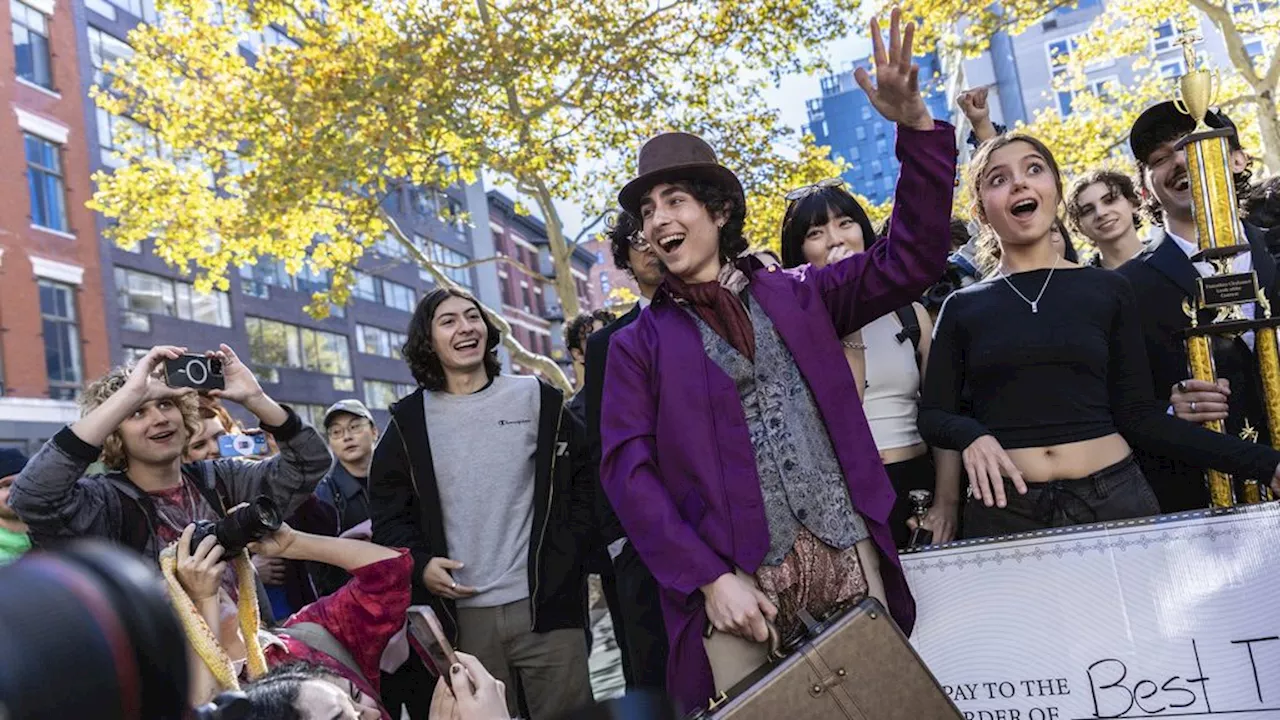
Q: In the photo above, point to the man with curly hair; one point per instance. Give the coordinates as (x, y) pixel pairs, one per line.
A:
(481, 476)
(139, 426)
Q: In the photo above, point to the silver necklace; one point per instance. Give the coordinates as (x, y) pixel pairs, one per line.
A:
(1035, 304)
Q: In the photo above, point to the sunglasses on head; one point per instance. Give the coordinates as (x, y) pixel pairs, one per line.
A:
(803, 192)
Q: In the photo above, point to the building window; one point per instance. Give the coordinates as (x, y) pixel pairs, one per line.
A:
(372, 340)
(380, 394)
(860, 132)
(443, 257)
(853, 153)
(882, 147)
(274, 344)
(144, 10)
(141, 295)
(105, 49)
(877, 168)
(599, 257)
(44, 180)
(376, 289)
(61, 338)
(866, 112)
(31, 44)
(526, 296)
(116, 133)
(505, 284)
(604, 284)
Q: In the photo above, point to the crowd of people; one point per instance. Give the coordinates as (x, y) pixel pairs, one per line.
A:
(738, 453)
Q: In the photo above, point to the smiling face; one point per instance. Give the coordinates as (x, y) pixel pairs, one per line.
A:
(459, 335)
(645, 266)
(1019, 193)
(682, 233)
(839, 237)
(6, 484)
(154, 433)
(205, 443)
(1164, 174)
(1103, 214)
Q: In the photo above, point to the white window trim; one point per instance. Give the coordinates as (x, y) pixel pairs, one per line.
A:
(57, 271)
(40, 88)
(51, 231)
(40, 410)
(50, 130)
(45, 7)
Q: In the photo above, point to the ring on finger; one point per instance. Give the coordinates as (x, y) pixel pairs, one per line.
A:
(1193, 406)
(1182, 386)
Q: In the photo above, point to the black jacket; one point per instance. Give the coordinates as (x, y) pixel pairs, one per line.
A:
(1162, 277)
(405, 506)
(608, 526)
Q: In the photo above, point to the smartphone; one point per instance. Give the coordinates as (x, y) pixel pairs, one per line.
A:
(242, 445)
(427, 637)
(195, 371)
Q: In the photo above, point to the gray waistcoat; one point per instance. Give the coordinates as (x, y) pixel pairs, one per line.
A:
(799, 473)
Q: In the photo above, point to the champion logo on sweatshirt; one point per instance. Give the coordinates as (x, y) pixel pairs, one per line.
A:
(504, 423)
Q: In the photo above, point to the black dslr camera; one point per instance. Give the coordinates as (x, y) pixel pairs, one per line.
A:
(195, 371)
(249, 524)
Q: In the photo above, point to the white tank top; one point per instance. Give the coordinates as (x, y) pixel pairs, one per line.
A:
(892, 396)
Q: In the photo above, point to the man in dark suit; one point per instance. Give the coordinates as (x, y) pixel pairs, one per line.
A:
(641, 634)
(1164, 276)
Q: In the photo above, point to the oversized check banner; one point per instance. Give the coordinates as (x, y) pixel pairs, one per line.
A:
(1173, 617)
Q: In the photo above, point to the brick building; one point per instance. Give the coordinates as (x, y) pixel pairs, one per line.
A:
(529, 300)
(52, 321)
(606, 277)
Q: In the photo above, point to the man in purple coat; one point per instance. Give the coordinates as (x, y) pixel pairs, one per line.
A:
(717, 396)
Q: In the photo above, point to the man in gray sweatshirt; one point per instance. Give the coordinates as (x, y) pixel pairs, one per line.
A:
(482, 477)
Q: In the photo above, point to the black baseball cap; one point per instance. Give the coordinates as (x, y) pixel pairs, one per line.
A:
(1164, 121)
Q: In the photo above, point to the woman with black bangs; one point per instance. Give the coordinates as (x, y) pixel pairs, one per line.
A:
(824, 224)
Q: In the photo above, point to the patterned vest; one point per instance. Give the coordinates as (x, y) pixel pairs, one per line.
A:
(800, 477)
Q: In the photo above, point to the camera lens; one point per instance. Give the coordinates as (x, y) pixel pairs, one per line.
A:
(197, 371)
(248, 524)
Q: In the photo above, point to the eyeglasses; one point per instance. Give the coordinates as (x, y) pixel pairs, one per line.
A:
(803, 192)
(638, 243)
(338, 431)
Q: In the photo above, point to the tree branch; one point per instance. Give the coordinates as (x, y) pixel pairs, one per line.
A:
(534, 274)
(583, 232)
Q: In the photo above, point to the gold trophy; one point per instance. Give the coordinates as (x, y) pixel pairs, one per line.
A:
(1220, 238)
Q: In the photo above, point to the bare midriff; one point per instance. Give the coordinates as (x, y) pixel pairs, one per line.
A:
(1069, 461)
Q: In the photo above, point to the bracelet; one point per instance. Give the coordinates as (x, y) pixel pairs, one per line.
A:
(853, 345)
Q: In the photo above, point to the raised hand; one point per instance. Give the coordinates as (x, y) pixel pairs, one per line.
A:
(241, 385)
(146, 382)
(895, 94)
(973, 103)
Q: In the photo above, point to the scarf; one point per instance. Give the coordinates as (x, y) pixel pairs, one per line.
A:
(719, 305)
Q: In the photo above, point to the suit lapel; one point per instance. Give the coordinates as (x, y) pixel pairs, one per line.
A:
(1169, 259)
(1263, 264)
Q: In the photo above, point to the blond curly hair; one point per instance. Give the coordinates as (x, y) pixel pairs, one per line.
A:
(97, 392)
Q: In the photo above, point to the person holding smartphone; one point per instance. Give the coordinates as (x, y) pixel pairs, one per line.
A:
(139, 426)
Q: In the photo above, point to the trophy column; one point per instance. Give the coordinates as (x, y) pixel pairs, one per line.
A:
(1224, 292)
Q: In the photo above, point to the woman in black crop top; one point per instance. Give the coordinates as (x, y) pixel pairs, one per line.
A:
(1040, 373)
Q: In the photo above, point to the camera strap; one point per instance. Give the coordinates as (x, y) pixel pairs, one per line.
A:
(317, 637)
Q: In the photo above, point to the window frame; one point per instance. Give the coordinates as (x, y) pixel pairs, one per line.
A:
(41, 80)
(39, 213)
(62, 389)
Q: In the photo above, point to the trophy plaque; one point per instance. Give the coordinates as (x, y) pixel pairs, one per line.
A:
(1224, 292)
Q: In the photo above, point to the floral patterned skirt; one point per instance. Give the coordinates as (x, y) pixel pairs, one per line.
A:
(814, 577)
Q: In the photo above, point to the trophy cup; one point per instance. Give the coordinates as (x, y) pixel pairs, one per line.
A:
(1220, 238)
(921, 500)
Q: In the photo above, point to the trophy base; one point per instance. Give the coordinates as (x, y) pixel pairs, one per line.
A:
(1208, 134)
(1231, 328)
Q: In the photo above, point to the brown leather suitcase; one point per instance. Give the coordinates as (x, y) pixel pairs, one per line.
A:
(855, 666)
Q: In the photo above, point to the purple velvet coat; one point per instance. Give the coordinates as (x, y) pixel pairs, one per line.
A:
(678, 464)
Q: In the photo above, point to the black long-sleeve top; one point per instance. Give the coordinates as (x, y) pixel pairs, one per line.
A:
(1074, 371)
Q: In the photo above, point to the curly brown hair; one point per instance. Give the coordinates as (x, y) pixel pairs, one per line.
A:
(1117, 183)
(97, 392)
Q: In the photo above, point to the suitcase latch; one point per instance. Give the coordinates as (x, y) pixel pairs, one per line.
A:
(716, 702)
(826, 684)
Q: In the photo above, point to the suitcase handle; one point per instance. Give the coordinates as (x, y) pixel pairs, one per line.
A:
(776, 651)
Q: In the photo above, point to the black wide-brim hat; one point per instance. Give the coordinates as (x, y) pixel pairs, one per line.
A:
(674, 156)
(1164, 121)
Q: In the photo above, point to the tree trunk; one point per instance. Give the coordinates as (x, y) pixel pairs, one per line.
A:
(519, 353)
(561, 253)
(1269, 127)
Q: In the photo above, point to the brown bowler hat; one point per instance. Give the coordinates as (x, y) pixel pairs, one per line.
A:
(676, 156)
